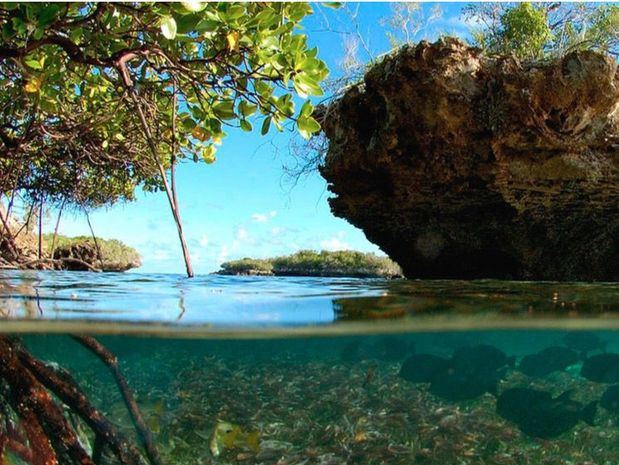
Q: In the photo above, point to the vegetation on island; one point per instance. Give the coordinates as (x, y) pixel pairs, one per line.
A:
(311, 263)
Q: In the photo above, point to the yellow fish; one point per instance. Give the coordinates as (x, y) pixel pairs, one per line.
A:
(229, 436)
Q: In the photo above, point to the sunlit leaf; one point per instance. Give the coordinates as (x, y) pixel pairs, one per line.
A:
(168, 27)
(233, 40)
(193, 5)
(33, 85)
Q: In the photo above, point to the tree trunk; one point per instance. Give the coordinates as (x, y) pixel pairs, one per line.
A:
(166, 185)
(94, 238)
(41, 229)
(55, 236)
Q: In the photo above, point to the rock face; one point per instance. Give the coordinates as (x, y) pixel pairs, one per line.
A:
(460, 165)
(86, 252)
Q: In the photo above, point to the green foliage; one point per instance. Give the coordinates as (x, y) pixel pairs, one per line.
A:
(114, 253)
(312, 263)
(525, 31)
(246, 266)
(69, 129)
(540, 30)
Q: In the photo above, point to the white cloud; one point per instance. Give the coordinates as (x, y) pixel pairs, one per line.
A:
(241, 234)
(334, 244)
(263, 217)
(223, 254)
(203, 240)
(160, 255)
(259, 218)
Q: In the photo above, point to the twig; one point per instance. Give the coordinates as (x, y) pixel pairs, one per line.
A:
(112, 363)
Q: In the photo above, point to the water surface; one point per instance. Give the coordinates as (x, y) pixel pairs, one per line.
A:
(315, 371)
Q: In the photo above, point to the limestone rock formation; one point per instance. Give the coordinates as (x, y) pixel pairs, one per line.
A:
(460, 165)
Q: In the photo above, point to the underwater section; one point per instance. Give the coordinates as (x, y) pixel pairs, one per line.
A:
(466, 397)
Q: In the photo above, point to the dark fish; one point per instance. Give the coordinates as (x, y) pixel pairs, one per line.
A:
(457, 385)
(602, 368)
(473, 371)
(423, 368)
(351, 351)
(538, 415)
(392, 348)
(610, 399)
(483, 357)
(548, 360)
(584, 342)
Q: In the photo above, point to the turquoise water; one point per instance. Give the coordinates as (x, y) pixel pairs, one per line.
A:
(229, 370)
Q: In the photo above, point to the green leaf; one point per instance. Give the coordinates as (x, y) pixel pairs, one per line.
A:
(246, 125)
(193, 5)
(235, 11)
(224, 110)
(35, 63)
(307, 126)
(307, 109)
(266, 124)
(168, 27)
(247, 109)
(208, 154)
(47, 15)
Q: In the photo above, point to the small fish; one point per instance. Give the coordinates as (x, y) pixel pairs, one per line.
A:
(370, 375)
(602, 368)
(539, 415)
(230, 436)
(547, 361)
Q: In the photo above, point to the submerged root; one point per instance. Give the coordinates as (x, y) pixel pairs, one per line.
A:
(33, 425)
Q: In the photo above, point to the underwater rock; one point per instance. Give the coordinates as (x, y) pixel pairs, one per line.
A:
(81, 255)
(547, 361)
(584, 342)
(538, 415)
(603, 368)
(423, 368)
(462, 165)
(85, 252)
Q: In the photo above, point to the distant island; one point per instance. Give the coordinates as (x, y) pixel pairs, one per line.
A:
(313, 263)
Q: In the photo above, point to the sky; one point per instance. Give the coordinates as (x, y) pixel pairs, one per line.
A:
(244, 204)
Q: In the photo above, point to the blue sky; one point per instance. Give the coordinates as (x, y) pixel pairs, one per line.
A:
(244, 204)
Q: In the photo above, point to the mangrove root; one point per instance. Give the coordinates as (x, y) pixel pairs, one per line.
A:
(33, 425)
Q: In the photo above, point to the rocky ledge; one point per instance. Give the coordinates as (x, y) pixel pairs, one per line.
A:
(461, 165)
